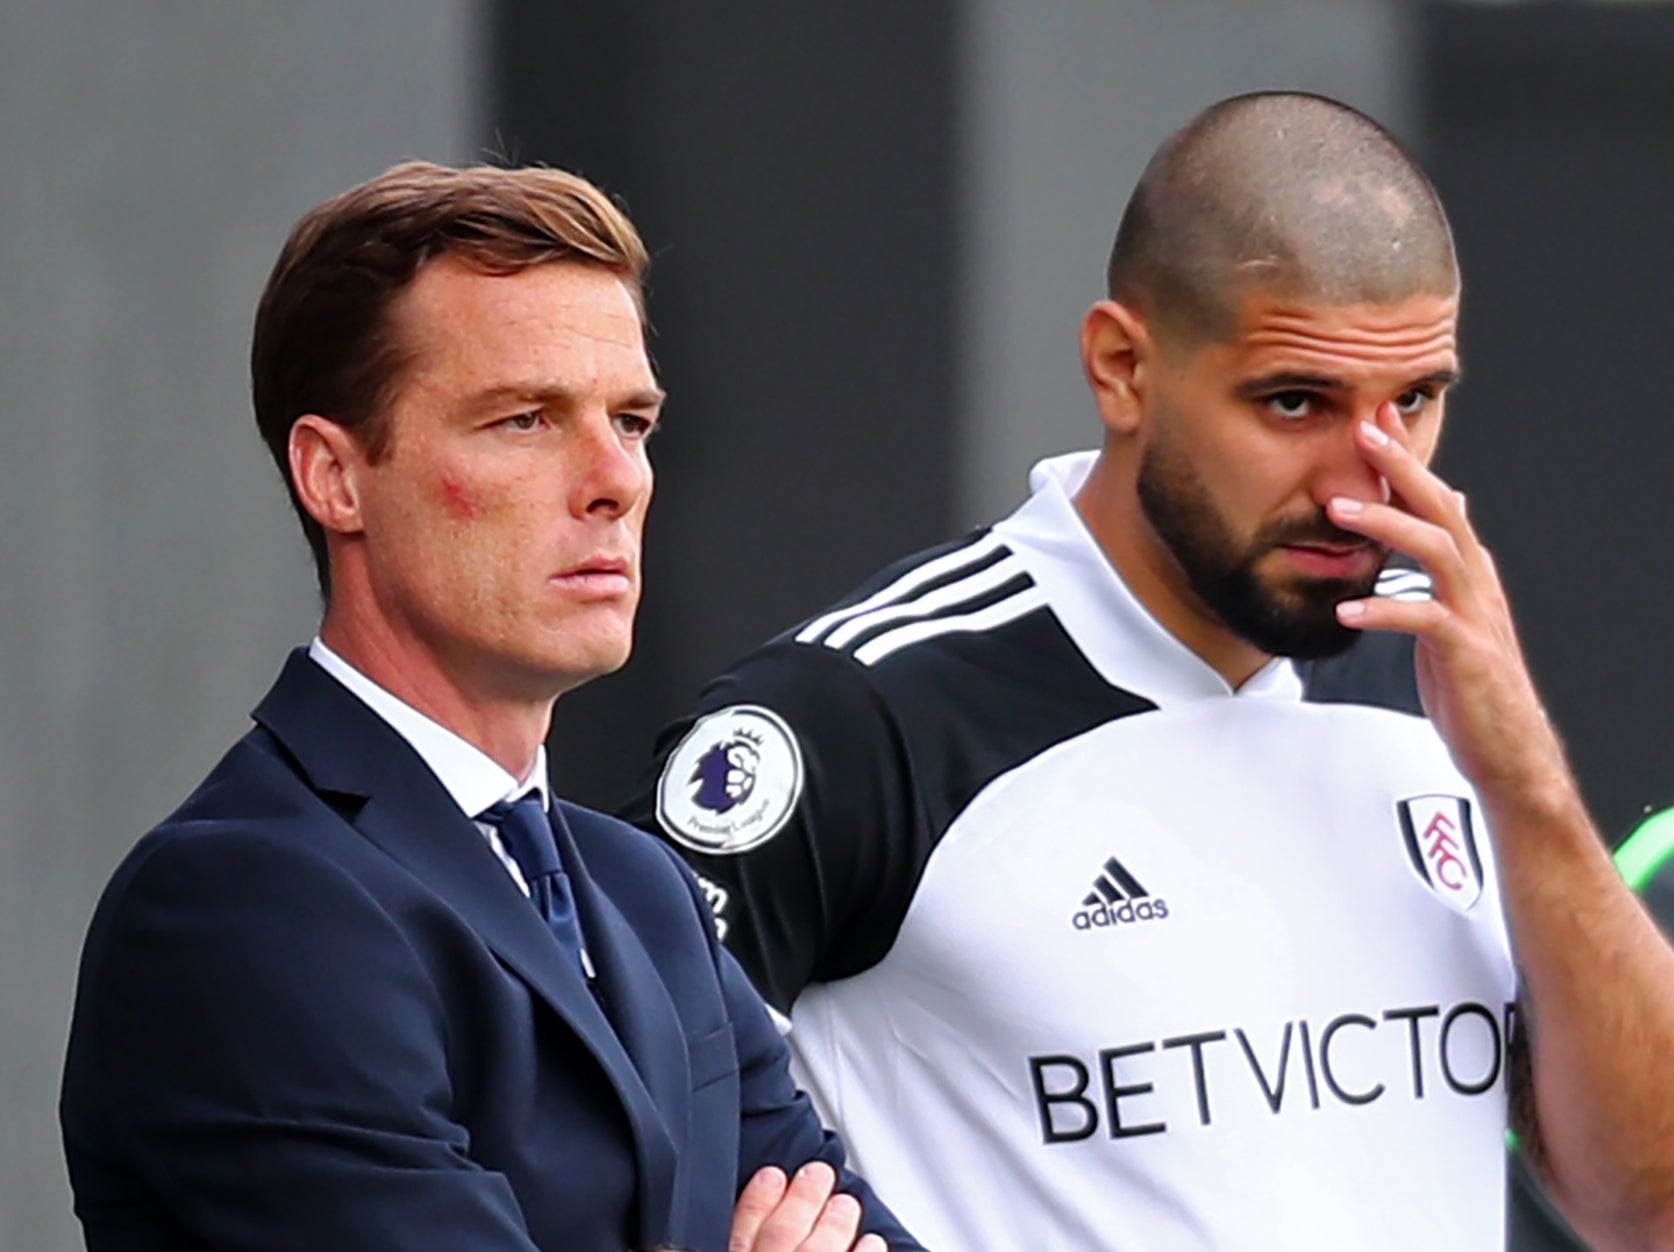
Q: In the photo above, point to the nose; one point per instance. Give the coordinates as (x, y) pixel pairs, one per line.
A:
(611, 474)
(1340, 469)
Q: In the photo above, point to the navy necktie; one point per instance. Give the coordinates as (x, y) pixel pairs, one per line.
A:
(526, 833)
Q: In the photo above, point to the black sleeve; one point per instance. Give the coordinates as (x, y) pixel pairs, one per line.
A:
(790, 791)
(1378, 670)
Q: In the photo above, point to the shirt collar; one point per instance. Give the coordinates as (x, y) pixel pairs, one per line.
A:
(473, 778)
(1117, 634)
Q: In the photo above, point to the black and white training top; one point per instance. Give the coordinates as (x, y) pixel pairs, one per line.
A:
(1082, 948)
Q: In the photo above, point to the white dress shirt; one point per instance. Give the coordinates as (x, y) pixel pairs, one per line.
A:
(473, 778)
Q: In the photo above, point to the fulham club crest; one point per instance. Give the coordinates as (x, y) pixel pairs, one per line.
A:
(1442, 845)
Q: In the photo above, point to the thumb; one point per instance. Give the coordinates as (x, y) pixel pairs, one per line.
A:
(761, 1195)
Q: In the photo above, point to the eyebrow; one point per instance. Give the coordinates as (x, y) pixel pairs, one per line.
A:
(557, 393)
(1288, 380)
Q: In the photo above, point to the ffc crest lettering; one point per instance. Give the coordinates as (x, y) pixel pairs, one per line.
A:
(732, 782)
(1442, 845)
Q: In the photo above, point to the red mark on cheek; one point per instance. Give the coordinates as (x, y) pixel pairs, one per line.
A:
(459, 502)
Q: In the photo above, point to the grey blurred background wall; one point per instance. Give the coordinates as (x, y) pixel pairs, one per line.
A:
(152, 155)
(876, 227)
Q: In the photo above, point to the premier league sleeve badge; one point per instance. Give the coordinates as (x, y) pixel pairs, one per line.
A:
(732, 782)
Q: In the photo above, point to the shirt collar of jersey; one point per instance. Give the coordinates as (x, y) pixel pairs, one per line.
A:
(472, 777)
(1119, 637)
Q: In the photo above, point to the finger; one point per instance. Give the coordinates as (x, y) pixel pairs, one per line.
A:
(813, 1183)
(799, 1210)
(1432, 546)
(1388, 419)
(1418, 491)
(838, 1223)
(761, 1195)
(1423, 618)
(1413, 484)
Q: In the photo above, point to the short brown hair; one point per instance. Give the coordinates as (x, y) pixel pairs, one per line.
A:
(323, 339)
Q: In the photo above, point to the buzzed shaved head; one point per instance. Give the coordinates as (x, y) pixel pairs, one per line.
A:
(1282, 192)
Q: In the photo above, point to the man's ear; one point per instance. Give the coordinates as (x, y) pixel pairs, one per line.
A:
(326, 467)
(1117, 356)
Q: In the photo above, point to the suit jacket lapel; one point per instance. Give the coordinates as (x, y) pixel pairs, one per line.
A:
(345, 748)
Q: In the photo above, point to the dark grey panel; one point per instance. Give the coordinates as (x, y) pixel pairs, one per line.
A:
(791, 167)
(1551, 136)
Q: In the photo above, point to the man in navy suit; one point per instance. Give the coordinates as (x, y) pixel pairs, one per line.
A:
(360, 991)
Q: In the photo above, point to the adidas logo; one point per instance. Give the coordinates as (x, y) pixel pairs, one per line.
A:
(1117, 898)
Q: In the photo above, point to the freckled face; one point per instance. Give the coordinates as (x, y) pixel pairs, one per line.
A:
(1246, 441)
(502, 526)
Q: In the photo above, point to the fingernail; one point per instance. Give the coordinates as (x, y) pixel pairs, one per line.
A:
(843, 1205)
(1373, 434)
(1349, 610)
(1347, 505)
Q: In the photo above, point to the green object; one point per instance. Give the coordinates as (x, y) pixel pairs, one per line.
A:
(1646, 850)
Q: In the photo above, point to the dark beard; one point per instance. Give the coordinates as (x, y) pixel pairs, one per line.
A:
(1299, 621)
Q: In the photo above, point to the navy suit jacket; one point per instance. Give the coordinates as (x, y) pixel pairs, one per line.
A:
(316, 1013)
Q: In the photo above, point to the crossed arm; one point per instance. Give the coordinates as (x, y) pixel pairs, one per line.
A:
(1595, 1104)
